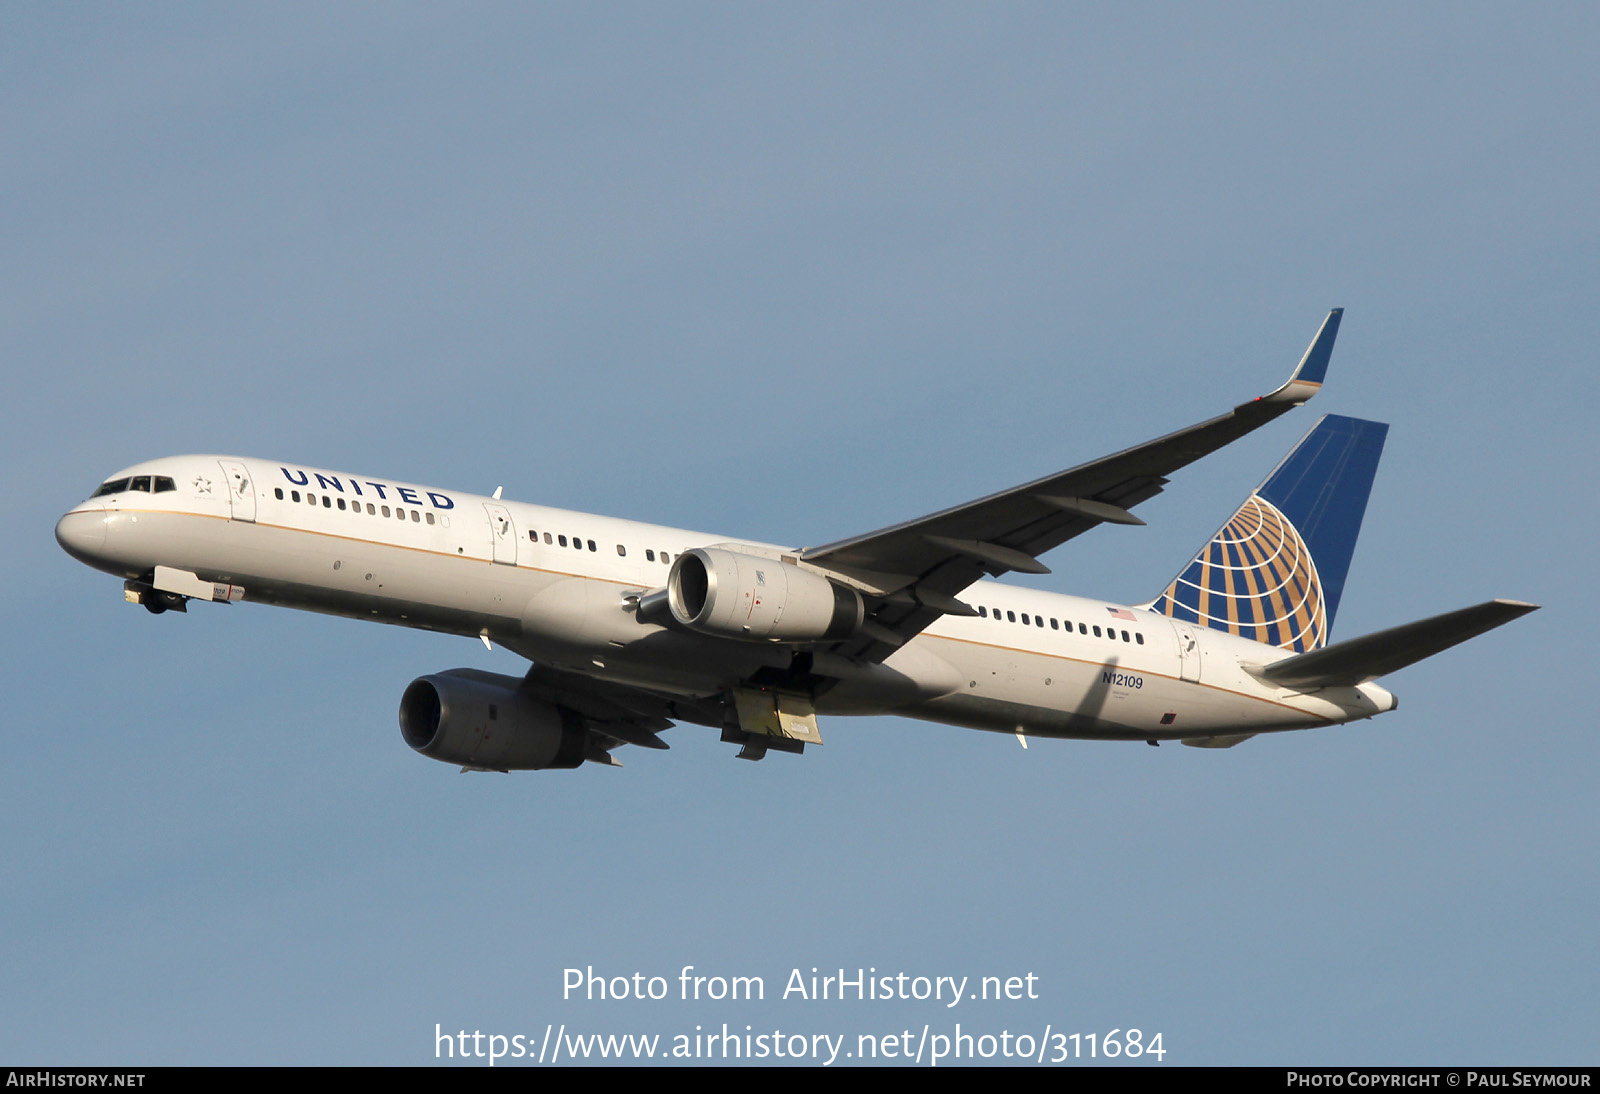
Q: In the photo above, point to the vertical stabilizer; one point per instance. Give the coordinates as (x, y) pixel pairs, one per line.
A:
(1276, 570)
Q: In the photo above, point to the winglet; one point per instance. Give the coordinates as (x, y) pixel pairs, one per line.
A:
(1313, 367)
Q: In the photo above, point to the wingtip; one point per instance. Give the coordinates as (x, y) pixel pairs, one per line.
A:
(1313, 366)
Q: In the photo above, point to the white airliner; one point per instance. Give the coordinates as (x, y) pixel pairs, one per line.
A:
(631, 626)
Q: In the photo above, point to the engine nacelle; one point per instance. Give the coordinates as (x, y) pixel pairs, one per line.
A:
(483, 720)
(733, 595)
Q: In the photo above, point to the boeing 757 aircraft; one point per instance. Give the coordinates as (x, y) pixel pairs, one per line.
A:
(631, 627)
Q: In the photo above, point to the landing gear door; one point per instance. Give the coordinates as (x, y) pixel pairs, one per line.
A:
(241, 490)
(1188, 651)
(503, 532)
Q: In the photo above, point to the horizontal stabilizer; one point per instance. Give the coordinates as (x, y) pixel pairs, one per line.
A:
(1346, 664)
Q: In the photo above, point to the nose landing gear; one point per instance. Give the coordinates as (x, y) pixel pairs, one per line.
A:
(155, 600)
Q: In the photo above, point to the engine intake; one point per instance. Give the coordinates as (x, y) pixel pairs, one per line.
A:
(483, 720)
(733, 595)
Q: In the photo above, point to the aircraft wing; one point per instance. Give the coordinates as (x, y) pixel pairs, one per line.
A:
(914, 570)
(619, 713)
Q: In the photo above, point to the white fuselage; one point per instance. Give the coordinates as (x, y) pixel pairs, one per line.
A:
(560, 587)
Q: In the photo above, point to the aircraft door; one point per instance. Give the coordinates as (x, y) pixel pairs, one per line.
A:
(241, 490)
(1188, 652)
(502, 532)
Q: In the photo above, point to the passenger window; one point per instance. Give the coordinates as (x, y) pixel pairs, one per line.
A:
(563, 540)
(385, 510)
(294, 495)
(430, 518)
(279, 493)
(547, 538)
(371, 512)
(327, 503)
(163, 484)
(591, 545)
(1125, 636)
(341, 503)
(1139, 638)
(983, 613)
(311, 499)
(1053, 624)
(416, 516)
(1011, 616)
(649, 554)
(665, 557)
(622, 552)
(1038, 621)
(1097, 631)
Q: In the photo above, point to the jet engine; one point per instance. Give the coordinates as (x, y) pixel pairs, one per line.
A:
(485, 721)
(732, 595)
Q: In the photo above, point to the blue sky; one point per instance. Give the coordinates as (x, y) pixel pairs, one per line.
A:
(793, 273)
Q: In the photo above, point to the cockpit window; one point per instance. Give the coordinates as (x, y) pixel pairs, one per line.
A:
(140, 482)
(164, 483)
(115, 486)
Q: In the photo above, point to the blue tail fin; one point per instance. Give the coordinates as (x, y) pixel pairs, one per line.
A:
(1275, 572)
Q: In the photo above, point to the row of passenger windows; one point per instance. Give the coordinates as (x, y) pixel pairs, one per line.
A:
(417, 516)
(149, 484)
(579, 543)
(576, 541)
(1056, 625)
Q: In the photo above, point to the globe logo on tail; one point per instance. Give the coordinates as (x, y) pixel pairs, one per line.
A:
(1255, 579)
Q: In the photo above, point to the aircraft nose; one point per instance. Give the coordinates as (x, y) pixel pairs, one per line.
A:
(82, 533)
